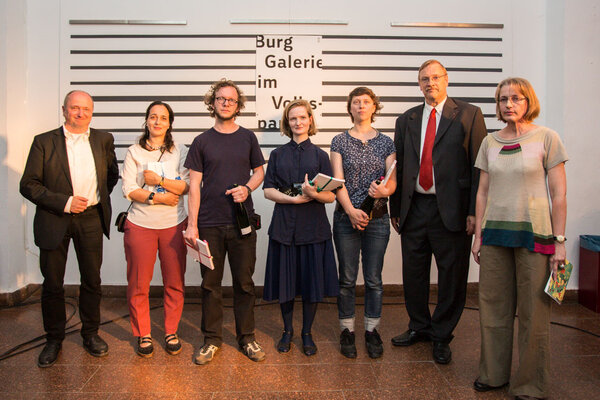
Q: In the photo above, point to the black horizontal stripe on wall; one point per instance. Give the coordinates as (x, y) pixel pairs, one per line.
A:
(164, 36)
(410, 53)
(163, 51)
(148, 83)
(411, 99)
(385, 115)
(399, 68)
(415, 83)
(154, 97)
(250, 36)
(444, 38)
(153, 67)
(177, 114)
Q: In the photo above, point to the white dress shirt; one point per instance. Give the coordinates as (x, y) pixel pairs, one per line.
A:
(81, 167)
(438, 117)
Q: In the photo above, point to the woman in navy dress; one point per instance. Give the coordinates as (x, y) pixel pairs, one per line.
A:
(300, 260)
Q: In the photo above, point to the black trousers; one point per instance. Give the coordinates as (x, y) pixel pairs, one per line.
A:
(241, 253)
(424, 234)
(85, 230)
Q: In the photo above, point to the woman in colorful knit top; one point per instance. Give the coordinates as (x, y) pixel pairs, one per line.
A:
(519, 241)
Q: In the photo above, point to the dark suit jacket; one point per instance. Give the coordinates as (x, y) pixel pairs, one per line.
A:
(459, 135)
(47, 183)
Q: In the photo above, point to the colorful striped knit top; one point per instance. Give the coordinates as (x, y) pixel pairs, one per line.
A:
(517, 213)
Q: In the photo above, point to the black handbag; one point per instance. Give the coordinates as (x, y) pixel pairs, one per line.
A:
(121, 218)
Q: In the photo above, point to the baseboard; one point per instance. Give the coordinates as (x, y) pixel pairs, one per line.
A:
(19, 295)
(194, 292)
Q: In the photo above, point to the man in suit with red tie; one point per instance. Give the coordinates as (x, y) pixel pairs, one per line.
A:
(433, 208)
(69, 175)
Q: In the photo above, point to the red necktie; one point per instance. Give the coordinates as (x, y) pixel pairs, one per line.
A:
(426, 171)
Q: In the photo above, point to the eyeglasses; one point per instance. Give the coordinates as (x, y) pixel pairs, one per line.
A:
(225, 101)
(513, 100)
(432, 79)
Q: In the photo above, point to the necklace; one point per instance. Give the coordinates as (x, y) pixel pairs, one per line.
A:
(152, 147)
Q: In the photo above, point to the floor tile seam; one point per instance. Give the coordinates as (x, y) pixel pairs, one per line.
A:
(356, 390)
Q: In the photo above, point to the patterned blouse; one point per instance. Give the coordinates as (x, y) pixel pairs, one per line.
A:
(362, 162)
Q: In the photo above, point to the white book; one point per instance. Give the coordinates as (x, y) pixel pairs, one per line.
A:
(326, 182)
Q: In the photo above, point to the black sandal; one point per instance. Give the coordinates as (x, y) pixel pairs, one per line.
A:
(172, 344)
(145, 351)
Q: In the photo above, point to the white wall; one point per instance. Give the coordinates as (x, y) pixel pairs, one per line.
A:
(553, 44)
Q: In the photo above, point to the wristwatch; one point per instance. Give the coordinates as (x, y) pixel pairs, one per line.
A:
(150, 199)
(560, 238)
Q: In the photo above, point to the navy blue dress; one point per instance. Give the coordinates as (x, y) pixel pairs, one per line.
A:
(300, 259)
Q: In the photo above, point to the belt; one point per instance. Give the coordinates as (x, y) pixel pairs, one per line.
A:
(90, 208)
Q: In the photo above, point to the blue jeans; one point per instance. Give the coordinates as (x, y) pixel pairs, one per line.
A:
(349, 243)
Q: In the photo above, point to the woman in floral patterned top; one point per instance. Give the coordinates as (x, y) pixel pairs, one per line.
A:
(361, 156)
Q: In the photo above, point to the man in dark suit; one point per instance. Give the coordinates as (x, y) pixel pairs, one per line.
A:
(69, 175)
(434, 206)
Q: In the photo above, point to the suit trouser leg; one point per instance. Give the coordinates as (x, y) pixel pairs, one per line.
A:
(52, 267)
(452, 252)
(87, 239)
(416, 264)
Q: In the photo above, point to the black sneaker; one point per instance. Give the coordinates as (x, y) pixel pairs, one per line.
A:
(347, 347)
(374, 344)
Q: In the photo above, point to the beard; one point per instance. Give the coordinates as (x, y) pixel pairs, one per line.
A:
(225, 117)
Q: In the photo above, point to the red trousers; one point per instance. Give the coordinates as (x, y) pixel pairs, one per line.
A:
(141, 245)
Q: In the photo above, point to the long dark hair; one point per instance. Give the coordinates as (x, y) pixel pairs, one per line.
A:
(168, 142)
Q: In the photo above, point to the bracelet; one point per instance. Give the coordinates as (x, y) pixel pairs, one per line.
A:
(162, 181)
(249, 190)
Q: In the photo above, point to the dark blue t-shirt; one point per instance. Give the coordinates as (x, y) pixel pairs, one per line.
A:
(297, 223)
(223, 159)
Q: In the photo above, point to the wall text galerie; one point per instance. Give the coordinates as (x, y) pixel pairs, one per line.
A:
(287, 68)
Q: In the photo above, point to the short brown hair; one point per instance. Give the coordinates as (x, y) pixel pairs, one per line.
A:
(523, 85)
(428, 63)
(285, 119)
(209, 98)
(359, 91)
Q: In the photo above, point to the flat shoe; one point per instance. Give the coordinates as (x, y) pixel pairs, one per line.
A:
(285, 343)
(308, 345)
(172, 344)
(484, 387)
(145, 351)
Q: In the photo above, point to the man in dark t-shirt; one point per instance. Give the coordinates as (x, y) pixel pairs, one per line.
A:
(218, 159)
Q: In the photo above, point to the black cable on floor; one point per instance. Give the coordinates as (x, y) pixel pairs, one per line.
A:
(69, 330)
